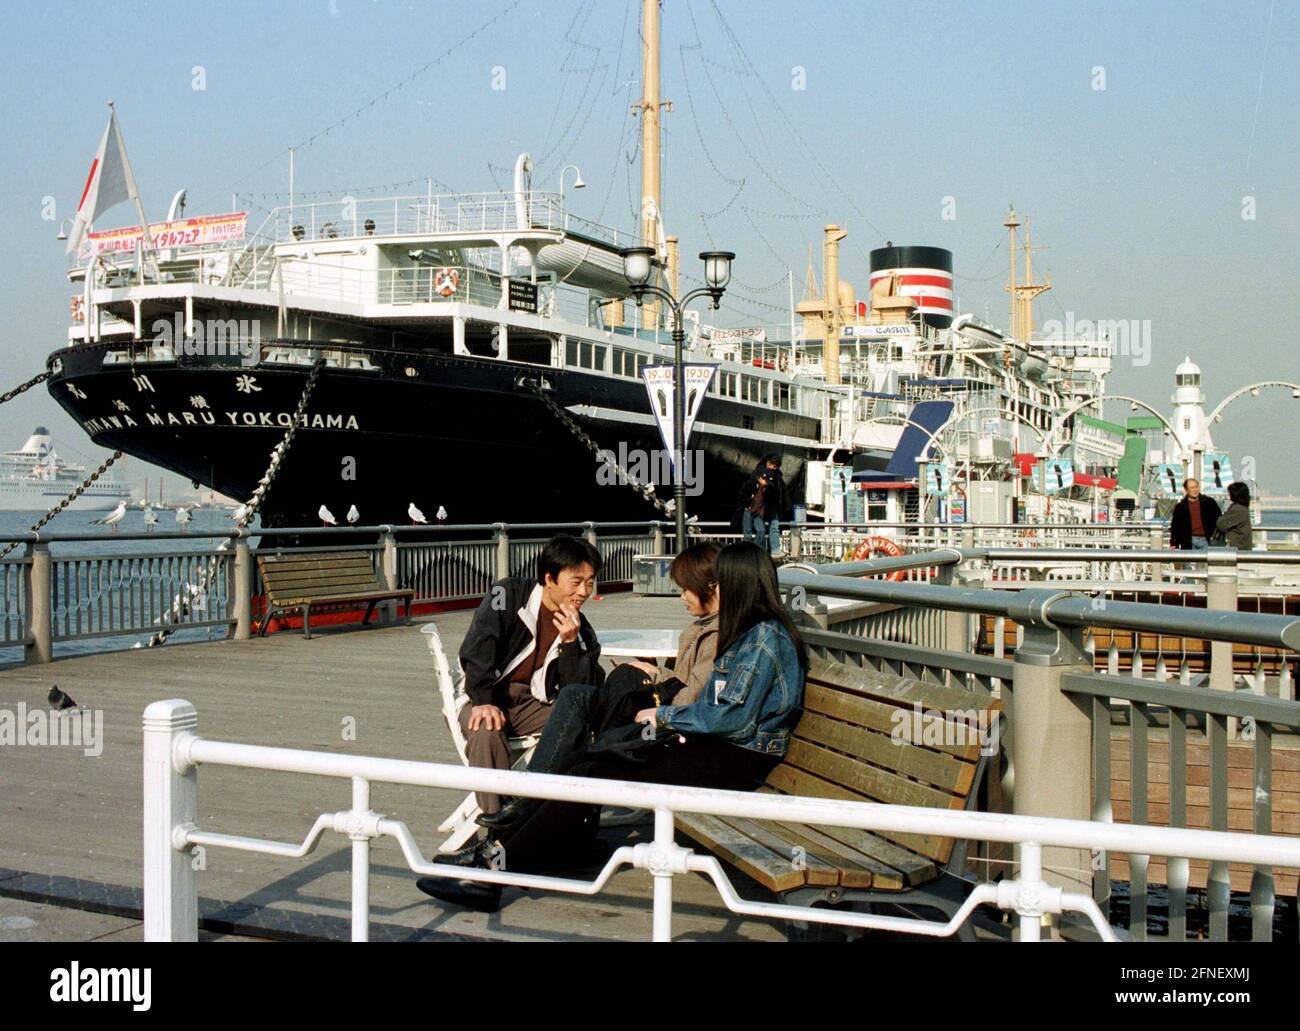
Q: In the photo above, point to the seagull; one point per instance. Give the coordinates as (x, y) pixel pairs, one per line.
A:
(240, 514)
(326, 517)
(417, 517)
(442, 514)
(353, 516)
(183, 518)
(150, 518)
(114, 517)
(59, 699)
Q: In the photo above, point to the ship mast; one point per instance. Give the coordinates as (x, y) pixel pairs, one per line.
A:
(1022, 294)
(649, 107)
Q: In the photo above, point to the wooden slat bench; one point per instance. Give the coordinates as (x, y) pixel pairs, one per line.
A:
(328, 579)
(842, 748)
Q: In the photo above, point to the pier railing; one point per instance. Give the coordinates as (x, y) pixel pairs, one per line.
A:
(179, 584)
(54, 598)
(174, 753)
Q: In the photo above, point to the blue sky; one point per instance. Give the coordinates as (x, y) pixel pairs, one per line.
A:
(1136, 190)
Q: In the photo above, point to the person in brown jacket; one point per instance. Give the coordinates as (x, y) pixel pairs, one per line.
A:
(582, 711)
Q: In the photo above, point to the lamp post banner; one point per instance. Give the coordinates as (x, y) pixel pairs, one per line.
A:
(662, 391)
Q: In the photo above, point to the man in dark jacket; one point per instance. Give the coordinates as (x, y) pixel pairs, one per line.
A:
(774, 499)
(527, 641)
(1192, 523)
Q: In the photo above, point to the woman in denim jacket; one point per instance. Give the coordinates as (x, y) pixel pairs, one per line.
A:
(753, 697)
(729, 738)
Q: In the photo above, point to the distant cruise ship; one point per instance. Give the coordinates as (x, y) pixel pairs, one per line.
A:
(33, 478)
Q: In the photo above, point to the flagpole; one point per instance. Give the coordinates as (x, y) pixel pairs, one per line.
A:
(147, 242)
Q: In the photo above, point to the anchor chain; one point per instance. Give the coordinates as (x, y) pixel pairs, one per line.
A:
(76, 493)
(603, 454)
(10, 395)
(250, 509)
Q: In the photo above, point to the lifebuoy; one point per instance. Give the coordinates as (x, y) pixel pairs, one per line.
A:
(869, 546)
(446, 281)
(76, 307)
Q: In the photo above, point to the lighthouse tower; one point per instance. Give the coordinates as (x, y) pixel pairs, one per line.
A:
(1191, 430)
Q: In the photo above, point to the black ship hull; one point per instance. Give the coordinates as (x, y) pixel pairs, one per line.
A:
(463, 433)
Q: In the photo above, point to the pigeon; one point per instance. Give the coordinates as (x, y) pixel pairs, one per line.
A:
(417, 517)
(150, 518)
(441, 514)
(59, 699)
(183, 518)
(114, 517)
(326, 517)
(353, 516)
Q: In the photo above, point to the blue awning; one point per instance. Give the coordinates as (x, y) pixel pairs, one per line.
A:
(931, 415)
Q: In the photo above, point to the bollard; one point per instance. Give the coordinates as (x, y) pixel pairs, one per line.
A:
(503, 550)
(38, 594)
(657, 538)
(796, 541)
(241, 590)
(1049, 733)
(171, 793)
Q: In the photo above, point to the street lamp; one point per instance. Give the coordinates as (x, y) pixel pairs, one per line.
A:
(578, 184)
(638, 268)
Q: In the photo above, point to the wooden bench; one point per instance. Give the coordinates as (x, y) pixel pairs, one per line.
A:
(842, 748)
(323, 579)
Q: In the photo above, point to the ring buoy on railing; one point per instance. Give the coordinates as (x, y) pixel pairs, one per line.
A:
(869, 547)
(77, 307)
(446, 281)
(783, 361)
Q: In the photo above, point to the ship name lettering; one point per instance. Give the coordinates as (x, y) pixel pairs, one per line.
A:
(189, 418)
(172, 420)
(115, 422)
(130, 421)
(154, 418)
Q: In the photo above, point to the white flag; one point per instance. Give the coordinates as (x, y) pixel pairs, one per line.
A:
(110, 182)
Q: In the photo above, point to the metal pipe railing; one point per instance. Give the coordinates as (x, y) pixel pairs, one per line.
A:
(173, 751)
(1053, 608)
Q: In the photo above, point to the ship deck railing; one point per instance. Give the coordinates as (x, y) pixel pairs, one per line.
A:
(436, 217)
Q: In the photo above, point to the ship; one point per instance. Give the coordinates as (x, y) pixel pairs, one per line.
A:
(482, 355)
(33, 478)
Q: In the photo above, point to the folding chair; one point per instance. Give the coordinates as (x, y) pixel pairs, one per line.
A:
(451, 683)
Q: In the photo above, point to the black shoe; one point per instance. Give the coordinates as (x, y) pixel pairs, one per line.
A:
(483, 898)
(508, 815)
(477, 854)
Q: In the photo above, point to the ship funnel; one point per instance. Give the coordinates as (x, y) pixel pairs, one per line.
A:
(924, 274)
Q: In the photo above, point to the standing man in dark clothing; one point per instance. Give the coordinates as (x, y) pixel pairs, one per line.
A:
(1193, 519)
(527, 641)
(774, 500)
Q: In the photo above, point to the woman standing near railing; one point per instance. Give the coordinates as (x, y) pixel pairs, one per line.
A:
(729, 738)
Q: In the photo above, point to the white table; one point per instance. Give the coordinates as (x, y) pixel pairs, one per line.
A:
(639, 644)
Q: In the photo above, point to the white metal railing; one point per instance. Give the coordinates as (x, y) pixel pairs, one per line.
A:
(173, 751)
